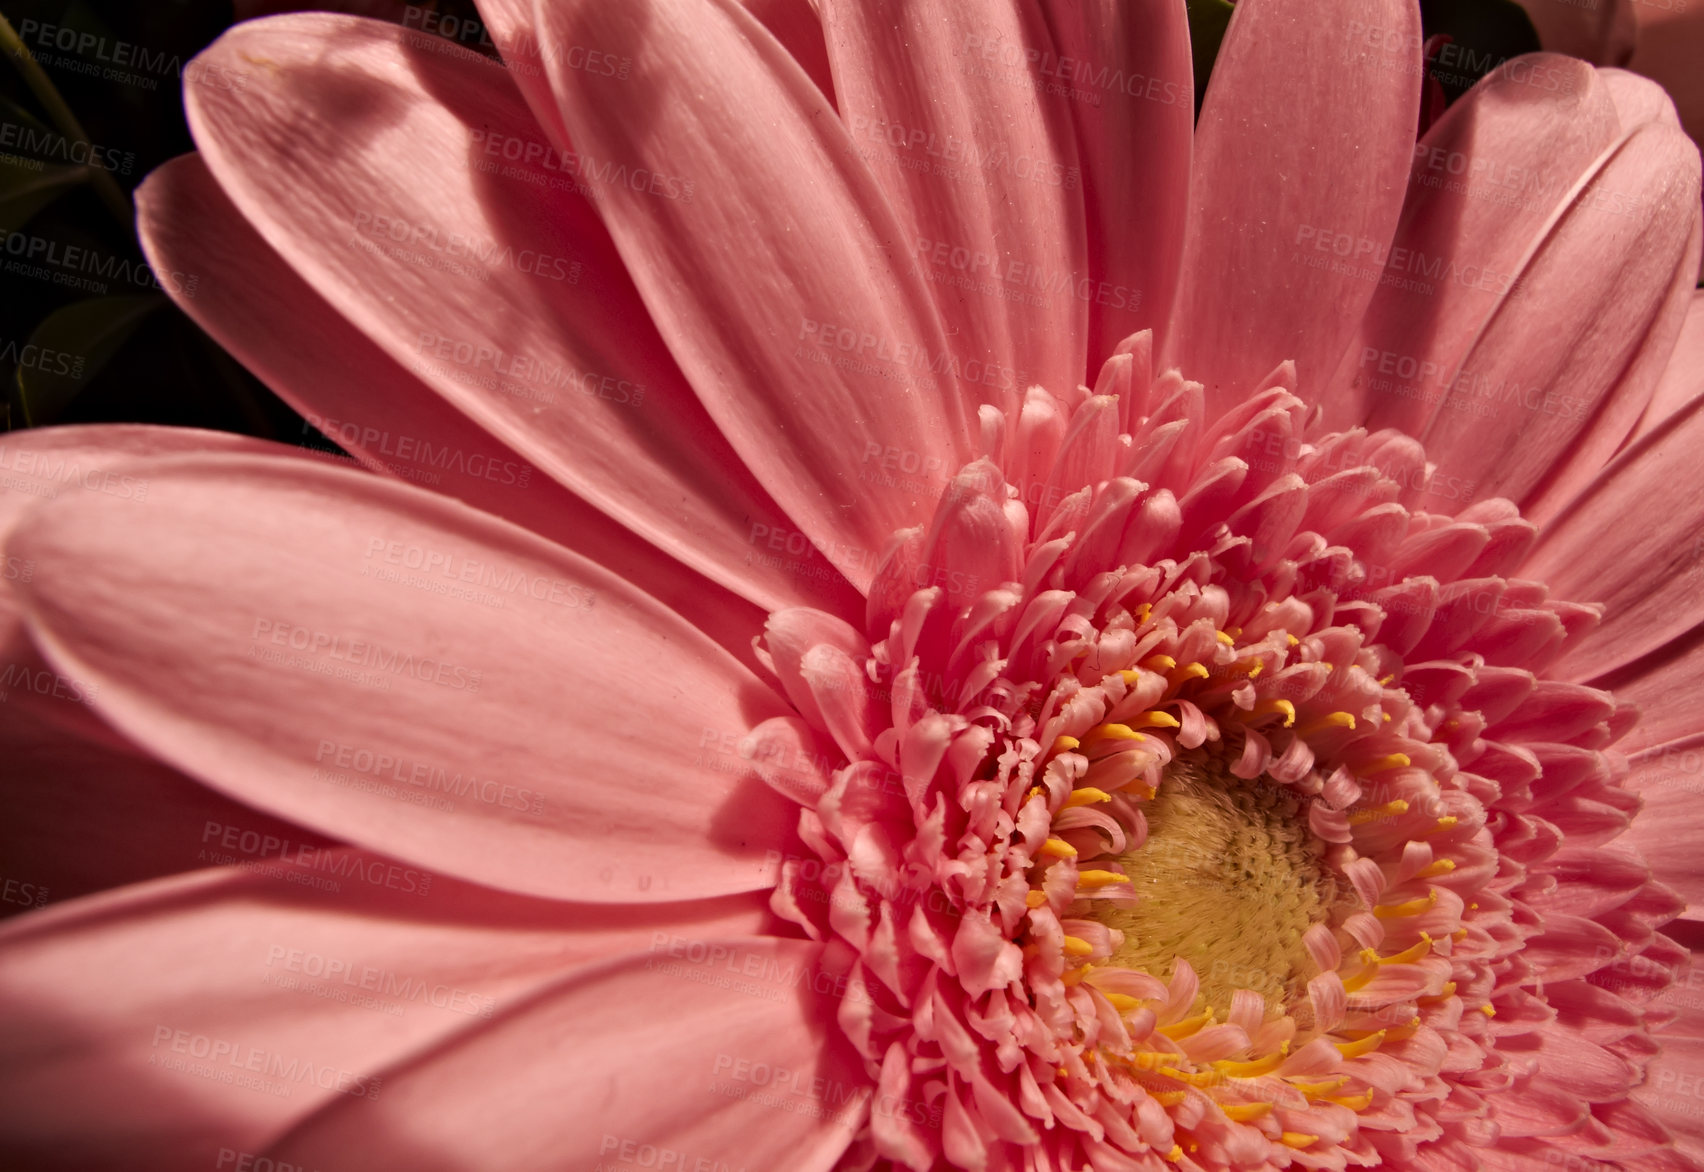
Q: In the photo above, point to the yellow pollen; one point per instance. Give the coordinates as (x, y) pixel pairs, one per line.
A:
(1159, 663)
(1267, 707)
(1388, 810)
(1087, 796)
(1059, 849)
(1259, 666)
(1063, 745)
(1176, 1152)
(1189, 1025)
(1076, 946)
(1123, 1002)
(1386, 716)
(1459, 935)
(1129, 676)
(1447, 822)
(1228, 639)
(1113, 732)
(1035, 899)
(1156, 719)
(1036, 791)
(1320, 1088)
(1488, 1010)
(1361, 1046)
(1297, 1139)
(1100, 878)
(1392, 761)
(1412, 907)
(1294, 642)
(1388, 680)
(1435, 868)
(1144, 611)
(1245, 1112)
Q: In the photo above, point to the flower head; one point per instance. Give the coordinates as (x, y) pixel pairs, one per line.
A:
(1176, 735)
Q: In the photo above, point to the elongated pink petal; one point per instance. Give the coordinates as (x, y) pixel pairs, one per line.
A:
(1534, 382)
(980, 164)
(724, 1056)
(1250, 295)
(153, 1027)
(783, 287)
(403, 672)
(1602, 33)
(495, 284)
(1663, 683)
(1682, 379)
(1129, 75)
(319, 363)
(1670, 780)
(1486, 180)
(1609, 546)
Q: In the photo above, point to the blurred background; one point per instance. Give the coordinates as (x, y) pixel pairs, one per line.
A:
(91, 101)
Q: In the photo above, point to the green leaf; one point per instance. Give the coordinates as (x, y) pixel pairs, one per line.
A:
(28, 185)
(69, 348)
(1208, 20)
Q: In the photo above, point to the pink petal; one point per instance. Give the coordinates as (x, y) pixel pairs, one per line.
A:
(154, 1027)
(544, 344)
(1670, 780)
(1133, 87)
(1571, 319)
(1682, 379)
(268, 317)
(400, 671)
(1248, 297)
(783, 287)
(980, 164)
(1602, 33)
(735, 1062)
(1642, 573)
(1486, 179)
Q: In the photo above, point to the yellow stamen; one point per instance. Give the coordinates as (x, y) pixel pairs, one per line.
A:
(1156, 719)
(1129, 676)
(1071, 978)
(1195, 1078)
(1358, 1102)
(1254, 1068)
(1297, 1139)
(1435, 868)
(1294, 642)
(1087, 796)
(1063, 744)
(1170, 1099)
(1100, 878)
(1245, 1112)
(1182, 1029)
(1410, 954)
(1076, 946)
(1144, 611)
(1361, 1046)
(1388, 680)
(1320, 1088)
(1392, 761)
(1373, 814)
(1267, 707)
(1459, 935)
(1228, 639)
(1113, 732)
(1159, 663)
(1035, 899)
(1189, 671)
(1332, 720)
(1447, 822)
(1386, 716)
(1123, 1002)
(1488, 1010)
(1411, 907)
(1365, 977)
(1059, 849)
(1444, 995)
(1176, 1152)
(1259, 666)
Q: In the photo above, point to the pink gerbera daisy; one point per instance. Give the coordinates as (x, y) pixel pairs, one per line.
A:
(1204, 621)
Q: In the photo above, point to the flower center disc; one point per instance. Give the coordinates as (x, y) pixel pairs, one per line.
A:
(1230, 878)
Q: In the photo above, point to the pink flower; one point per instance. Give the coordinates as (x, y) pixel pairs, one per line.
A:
(1205, 611)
